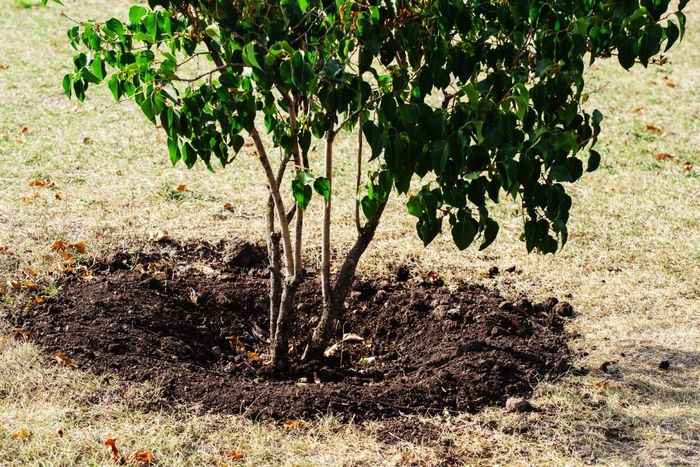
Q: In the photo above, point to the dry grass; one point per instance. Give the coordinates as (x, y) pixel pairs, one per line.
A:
(631, 266)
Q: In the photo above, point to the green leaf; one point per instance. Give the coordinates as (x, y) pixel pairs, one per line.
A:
(98, 68)
(369, 207)
(67, 86)
(302, 194)
(464, 230)
(323, 187)
(490, 232)
(627, 52)
(672, 35)
(137, 12)
(249, 56)
(174, 151)
(593, 161)
(116, 27)
(113, 85)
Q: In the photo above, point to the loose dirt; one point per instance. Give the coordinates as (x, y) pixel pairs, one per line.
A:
(192, 318)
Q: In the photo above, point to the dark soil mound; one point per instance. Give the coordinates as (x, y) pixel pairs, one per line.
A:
(192, 318)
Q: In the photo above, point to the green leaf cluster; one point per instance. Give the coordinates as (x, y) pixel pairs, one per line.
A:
(472, 100)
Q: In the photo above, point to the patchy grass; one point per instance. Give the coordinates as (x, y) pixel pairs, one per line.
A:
(631, 269)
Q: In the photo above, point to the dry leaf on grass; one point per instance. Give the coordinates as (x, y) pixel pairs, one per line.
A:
(233, 454)
(30, 271)
(63, 359)
(21, 433)
(143, 457)
(29, 199)
(664, 156)
(653, 129)
(45, 183)
(183, 189)
(253, 357)
(18, 334)
(295, 424)
(111, 443)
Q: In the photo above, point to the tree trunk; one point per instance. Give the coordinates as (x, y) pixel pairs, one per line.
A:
(280, 344)
(323, 332)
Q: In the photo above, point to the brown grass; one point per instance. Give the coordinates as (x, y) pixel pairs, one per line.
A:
(631, 268)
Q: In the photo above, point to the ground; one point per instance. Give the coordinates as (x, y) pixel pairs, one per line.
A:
(630, 269)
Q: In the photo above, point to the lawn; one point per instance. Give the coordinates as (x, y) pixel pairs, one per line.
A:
(631, 269)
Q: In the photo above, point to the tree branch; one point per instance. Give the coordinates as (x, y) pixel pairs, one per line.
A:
(279, 204)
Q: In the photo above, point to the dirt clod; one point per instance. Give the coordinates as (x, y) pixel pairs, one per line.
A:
(198, 332)
(563, 309)
(519, 405)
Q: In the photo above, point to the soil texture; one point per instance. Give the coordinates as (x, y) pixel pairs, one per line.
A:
(192, 318)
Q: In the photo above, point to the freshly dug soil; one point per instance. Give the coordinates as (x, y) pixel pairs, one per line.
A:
(193, 319)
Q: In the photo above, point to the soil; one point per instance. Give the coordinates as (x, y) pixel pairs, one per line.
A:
(192, 318)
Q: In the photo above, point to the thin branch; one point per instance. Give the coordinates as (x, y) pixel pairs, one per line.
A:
(358, 180)
(277, 198)
(326, 248)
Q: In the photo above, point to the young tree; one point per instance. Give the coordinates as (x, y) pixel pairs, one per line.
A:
(476, 99)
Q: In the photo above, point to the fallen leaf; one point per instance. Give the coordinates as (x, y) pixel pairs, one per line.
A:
(687, 167)
(18, 334)
(637, 110)
(664, 156)
(4, 248)
(248, 144)
(143, 456)
(38, 300)
(228, 207)
(60, 433)
(253, 357)
(67, 256)
(87, 140)
(58, 245)
(63, 359)
(234, 454)
(671, 84)
(652, 82)
(30, 285)
(15, 285)
(111, 443)
(21, 433)
(25, 130)
(183, 188)
(295, 424)
(80, 247)
(30, 271)
(46, 183)
(653, 129)
(29, 199)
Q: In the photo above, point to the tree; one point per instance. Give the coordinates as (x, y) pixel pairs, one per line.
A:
(474, 99)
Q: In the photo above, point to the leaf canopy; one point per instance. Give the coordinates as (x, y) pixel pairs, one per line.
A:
(478, 99)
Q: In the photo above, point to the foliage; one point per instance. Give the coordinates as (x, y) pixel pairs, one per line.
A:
(475, 98)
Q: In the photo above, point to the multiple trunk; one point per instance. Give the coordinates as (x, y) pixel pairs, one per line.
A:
(285, 256)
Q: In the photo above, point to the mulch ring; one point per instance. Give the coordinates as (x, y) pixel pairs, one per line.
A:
(191, 318)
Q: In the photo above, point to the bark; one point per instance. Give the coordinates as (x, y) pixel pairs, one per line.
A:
(279, 324)
(323, 332)
(273, 253)
(280, 344)
(296, 151)
(358, 179)
(326, 240)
